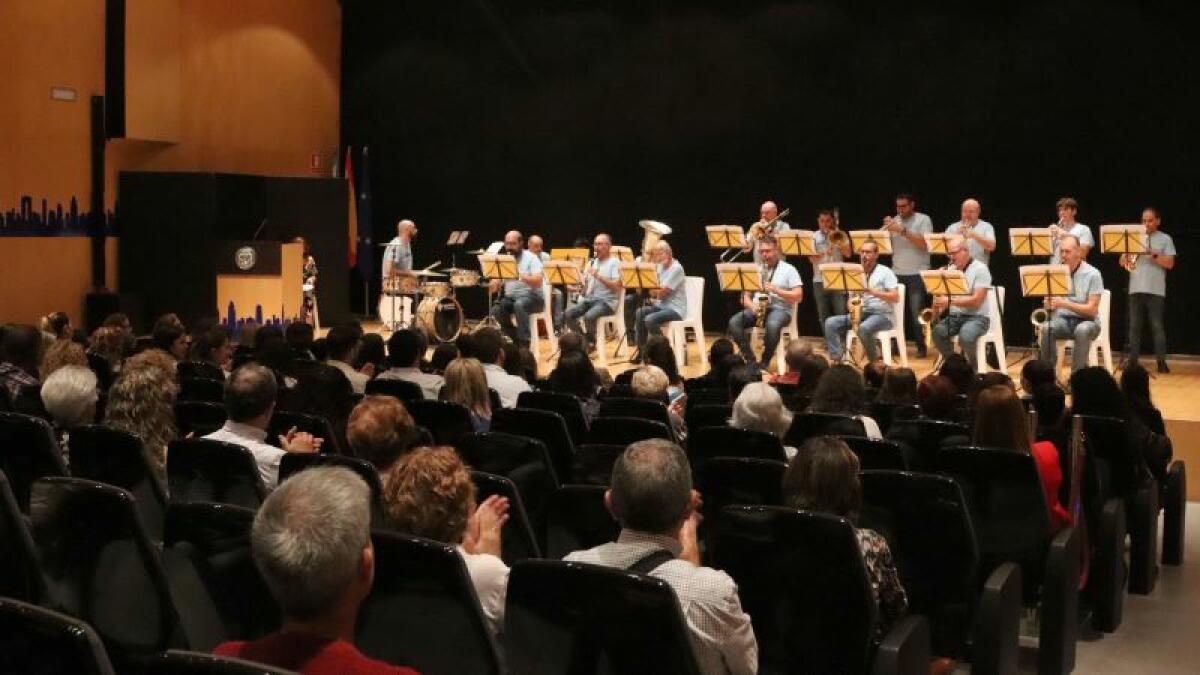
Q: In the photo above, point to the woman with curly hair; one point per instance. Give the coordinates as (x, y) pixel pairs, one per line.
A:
(62, 353)
(429, 493)
(142, 402)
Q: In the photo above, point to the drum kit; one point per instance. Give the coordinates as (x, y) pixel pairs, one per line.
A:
(438, 313)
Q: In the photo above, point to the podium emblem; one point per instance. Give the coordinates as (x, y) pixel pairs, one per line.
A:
(244, 258)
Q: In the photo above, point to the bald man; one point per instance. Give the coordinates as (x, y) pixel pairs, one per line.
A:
(968, 314)
(558, 302)
(523, 296)
(398, 256)
(766, 213)
(601, 289)
(979, 235)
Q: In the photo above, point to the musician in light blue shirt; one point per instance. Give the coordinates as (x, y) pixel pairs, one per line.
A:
(1076, 316)
(910, 255)
(522, 297)
(601, 288)
(877, 307)
(834, 302)
(670, 298)
(398, 257)
(767, 213)
(968, 314)
(1148, 290)
(1067, 226)
(979, 235)
(784, 290)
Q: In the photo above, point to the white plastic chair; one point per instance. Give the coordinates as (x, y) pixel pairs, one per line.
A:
(994, 334)
(885, 337)
(789, 332)
(1101, 341)
(677, 330)
(542, 318)
(617, 323)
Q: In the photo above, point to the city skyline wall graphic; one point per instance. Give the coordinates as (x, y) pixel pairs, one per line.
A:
(38, 219)
(234, 323)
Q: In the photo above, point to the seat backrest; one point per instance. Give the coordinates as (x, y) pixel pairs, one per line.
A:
(521, 459)
(726, 441)
(201, 389)
(204, 470)
(805, 425)
(707, 415)
(567, 617)
(119, 458)
(626, 430)
(577, 519)
(802, 579)
(294, 462)
(19, 574)
(215, 538)
(100, 566)
(28, 451)
(876, 454)
(199, 417)
(199, 369)
(548, 427)
(179, 662)
(996, 310)
(518, 537)
(794, 398)
(29, 402)
(722, 481)
(402, 389)
(594, 463)
(566, 405)
(37, 641)
(706, 395)
(448, 422)
(927, 524)
(1104, 312)
(422, 610)
(318, 426)
(695, 299)
(1108, 440)
(898, 309)
(922, 438)
(620, 406)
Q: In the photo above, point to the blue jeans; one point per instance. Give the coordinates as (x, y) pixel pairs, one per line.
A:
(836, 328)
(523, 309)
(591, 309)
(650, 320)
(1149, 306)
(1083, 331)
(968, 327)
(828, 304)
(914, 298)
(739, 329)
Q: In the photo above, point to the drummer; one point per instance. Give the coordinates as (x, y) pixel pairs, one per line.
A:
(398, 257)
(522, 296)
(538, 247)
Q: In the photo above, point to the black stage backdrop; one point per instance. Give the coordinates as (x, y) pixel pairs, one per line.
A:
(568, 118)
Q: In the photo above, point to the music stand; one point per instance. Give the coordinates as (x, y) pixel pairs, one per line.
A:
(797, 242)
(740, 277)
(623, 253)
(1045, 280)
(576, 255)
(882, 240)
(945, 282)
(502, 266)
(457, 238)
(562, 273)
(936, 242)
(1124, 238)
(641, 276)
(1031, 241)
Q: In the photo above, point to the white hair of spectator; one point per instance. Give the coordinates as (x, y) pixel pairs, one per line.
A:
(649, 382)
(308, 538)
(69, 395)
(760, 408)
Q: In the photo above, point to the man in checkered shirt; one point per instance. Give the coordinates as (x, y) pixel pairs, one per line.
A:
(652, 497)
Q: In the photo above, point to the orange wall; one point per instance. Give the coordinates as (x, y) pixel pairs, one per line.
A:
(258, 93)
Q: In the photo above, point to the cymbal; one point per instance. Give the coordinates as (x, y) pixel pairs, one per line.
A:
(478, 251)
(655, 227)
(426, 273)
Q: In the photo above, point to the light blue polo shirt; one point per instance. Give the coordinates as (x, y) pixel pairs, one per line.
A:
(821, 244)
(674, 278)
(982, 228)
(1148, 277)
(1082, 232)
(880, 279)
(978, 276)
(787, 277)
(1085, 282)
(527, 264)
(610, 269)
(908, 258)
(400, 255)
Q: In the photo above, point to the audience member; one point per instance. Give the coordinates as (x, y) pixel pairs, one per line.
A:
(1037, 373)
(110, 344)
(142, 402)
(841, 392)
(466, 385)
(371, 353)
(324, 391)
(576, 375)
(719, 364)
(989, 379)
(742, 375)
(20, 356)
(171, 319)
(1095, 392)
(652, 383)
(959, 371)
(214, 348)
(873, 375)
(250, 394)
(574, 342)
(380, 430)
(1135, 384)
(69, 395)
(793, 357)
(154, 358)
(172, 339)
(937, 397)
(466, 345)
(529, 367)
(1001, 422)
(823, 477)
(405, 349)
(342, 345)
(651, 496)
(57, 325)
(899, 387)
(760, 408)
(812, 369)
(512, 360)
(430, 494)
(658, 352)
(488, 346)
(311, 542)
(62, 353)
(299, 336)
(443, 354)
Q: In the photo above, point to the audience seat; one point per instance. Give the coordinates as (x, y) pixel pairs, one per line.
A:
(293, 462)
(118, 458)
(722, 481)
(284, 420)
(103, 370)
(567, 617)
(876, 454)
(802, 580)
(706, 415)
(20, 577)
(594, 463)
(548, 427)
(625, 430)
(201, 389)
(566, 405)
(403, 390)
(518, 538)
(199, 369)
(448, 422)
(204, 470)
(422, 611)
(180, 662)
(806, 425)
(29, 402)
(921, 439)
(521, 459)
(725, 441)
(697, 395)
(28, 451)
(199, 417)
(642, 408)
(1175, 499)
(577, 519)
(794, 398)
(37, 641)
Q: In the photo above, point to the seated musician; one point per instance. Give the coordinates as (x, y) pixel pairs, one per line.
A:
(601, 286)
(669, 300)
(784, 289)
(877, 301)
(1076, 316)
(968, 314)
(522, 297)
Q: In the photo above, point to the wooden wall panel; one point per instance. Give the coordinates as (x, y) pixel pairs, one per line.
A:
(152, 70)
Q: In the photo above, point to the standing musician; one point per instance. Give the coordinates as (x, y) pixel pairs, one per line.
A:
(1148, 289)
(834, 302)
(522, 296)
(877, 303)
(1066, 225)
(910, 255)
(766, 213)
(1076, 316)
(398, 256)
(601, 289)
(968, 314)
(669, 300)
(784, 288)
(979, 235)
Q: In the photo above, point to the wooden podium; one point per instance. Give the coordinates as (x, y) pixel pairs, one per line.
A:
(259, 280)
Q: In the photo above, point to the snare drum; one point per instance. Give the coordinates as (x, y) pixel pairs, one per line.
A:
(397, 285)
(441, 318)
(435, 289)
(464, 278)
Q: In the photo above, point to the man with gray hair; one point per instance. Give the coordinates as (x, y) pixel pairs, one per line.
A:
(311, 541)
(523, 296)
(652, 497)
(249, 403)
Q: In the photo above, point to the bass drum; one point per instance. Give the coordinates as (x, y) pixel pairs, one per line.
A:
(440, 318)
(395, 311)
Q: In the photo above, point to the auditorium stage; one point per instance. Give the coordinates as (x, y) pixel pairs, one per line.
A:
(1175, 394)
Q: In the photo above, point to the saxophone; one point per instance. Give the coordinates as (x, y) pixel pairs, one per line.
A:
(855, 307)
(764, 300)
